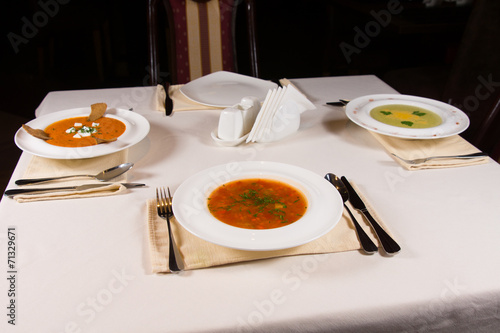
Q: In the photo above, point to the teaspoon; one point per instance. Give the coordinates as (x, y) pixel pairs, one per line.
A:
(102, 176)
(367, 244)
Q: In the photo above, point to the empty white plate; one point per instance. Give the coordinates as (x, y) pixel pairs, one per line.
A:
(225, 89)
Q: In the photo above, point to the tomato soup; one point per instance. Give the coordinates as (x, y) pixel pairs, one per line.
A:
(257, 204)
(78, 132)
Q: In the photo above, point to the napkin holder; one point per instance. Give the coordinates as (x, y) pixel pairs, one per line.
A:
(247, 121)
(279, 116)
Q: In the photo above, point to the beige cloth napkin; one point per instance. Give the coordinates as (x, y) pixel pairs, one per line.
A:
(45, 167)
(411, 149)
(159, 99)
(285, 82)
(198, 253)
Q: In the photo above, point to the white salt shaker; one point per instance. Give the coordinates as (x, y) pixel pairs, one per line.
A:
(236, 121)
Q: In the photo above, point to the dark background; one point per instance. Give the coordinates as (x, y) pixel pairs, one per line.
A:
(88, 44)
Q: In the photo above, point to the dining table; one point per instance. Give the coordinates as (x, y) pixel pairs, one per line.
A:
(86, 264)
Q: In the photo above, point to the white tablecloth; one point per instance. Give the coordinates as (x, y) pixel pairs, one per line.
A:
(83, 265)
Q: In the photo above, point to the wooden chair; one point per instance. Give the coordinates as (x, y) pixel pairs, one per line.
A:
(200, 37)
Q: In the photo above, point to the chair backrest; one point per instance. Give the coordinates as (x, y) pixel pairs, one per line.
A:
(201, 37)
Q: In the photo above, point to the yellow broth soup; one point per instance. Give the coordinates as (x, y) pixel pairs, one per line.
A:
(257, 204)
(406, 116)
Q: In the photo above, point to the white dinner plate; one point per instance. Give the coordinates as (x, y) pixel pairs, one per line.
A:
(323, 212)
(137, 127)
(454, 120)
(225, 89)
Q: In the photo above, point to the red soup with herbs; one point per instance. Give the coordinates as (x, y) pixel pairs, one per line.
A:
(257, 204)
(79, 132)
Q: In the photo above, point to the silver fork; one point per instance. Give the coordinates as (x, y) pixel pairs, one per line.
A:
(425, 159)
(164, 208)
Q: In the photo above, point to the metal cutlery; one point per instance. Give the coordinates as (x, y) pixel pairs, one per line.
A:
(101, 176)
(425, 159)
(164, 209)
(16, 191)
(366, 243)
(390, 246)
(169, 106)
(341, 102)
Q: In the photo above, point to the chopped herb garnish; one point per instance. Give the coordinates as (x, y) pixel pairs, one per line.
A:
(386, 112)
(407, 123)
(255, 204)
(418, 113)
(260, 203)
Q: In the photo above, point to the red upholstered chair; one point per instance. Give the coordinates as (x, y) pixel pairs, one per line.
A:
(200, 37)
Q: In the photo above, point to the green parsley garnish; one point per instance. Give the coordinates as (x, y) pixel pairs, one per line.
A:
(261, 202)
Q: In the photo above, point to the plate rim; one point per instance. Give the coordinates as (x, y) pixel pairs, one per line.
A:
(251, 239)
(137, 121)
(358, 104)
(235, 76)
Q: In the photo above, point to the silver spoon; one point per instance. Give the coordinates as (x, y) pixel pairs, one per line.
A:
(103, 176)
(367, 244)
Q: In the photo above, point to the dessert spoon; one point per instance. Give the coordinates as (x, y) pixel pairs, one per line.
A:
(102, 176)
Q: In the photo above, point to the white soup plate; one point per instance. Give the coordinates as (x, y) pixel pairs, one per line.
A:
(137, 127)
(225, 89)
(454, 121)
(324, 208)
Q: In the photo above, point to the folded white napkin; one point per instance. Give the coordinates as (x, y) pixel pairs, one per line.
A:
(279, 115)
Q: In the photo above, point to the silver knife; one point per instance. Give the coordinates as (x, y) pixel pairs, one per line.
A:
(341, 102)
(16, 191)
(169, 107)
(390, 246)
